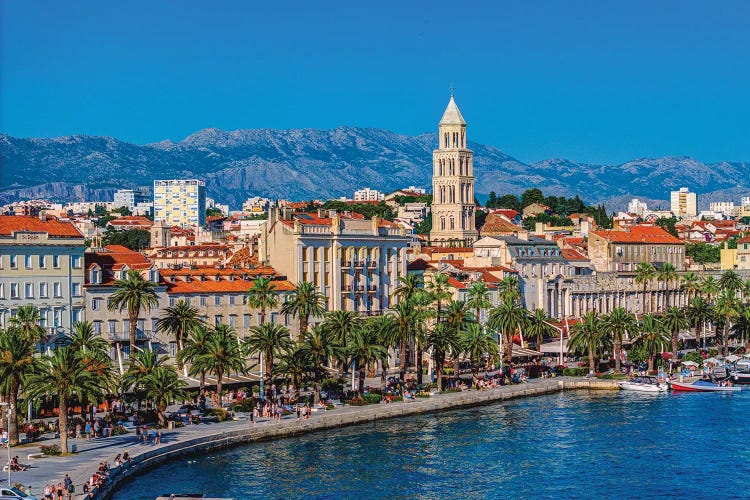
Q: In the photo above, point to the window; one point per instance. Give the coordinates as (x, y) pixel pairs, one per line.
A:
(217, 300)
(231, 300)
(56, 261)
(14, 290)
(126, 326)
(13, 261)
(98, 327)
(172, 301)
(27, 261)
(42, 262)
(203, 301)
(112, 326)
(246, 321)
(154, 323)
(217, 319)
(43, 292)
(95, 304)
(75, 261)
(76, 289)
(232, 320)
(57, 289)
(2, 291)
(77, 314)
(56, 313)
(29, 290)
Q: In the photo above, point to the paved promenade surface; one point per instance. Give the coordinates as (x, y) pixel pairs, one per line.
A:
(196, 438)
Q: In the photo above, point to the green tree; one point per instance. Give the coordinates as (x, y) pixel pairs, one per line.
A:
(408, 287)
(178, 321)
(509, 201)
(741, 327)
(222, 356)
(362, 349)
(698, 313)
(587, 337)
(271, 341)
(690, 282)
(674, 320)
(195, 346)
(731, 281)
(533, 195)
(134, 239)
(140, 365)
(133, 293)
(476, 343)
(319, 348)
(478, 297)
(340, 325)
(261, 296)
(644, 273)
(703, 253)
(17, 362)
(653, 336)
(709, 287)
(94, 354)
(403, 333)
(668, 224)
(62, 376)
(618, 324)
(161, 386)
(727, 308)
(538, 327)
(439, 290)
(667, 274)
(296, 367)
(443, 342)
(509, 287)
(26, 322)
(508, 318)
(304, 302)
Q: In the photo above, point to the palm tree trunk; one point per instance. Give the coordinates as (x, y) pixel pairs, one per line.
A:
(592, 361)
(362, 369)
(160, 414)
(725, 338)
(383, 375)
(698, 331)
(12, 401)
(132, 327)
(268, 375)
(439, 374)
(303, 320)
(219, 376)
(419, 363)
(203, 382)
(402, 360)
(508, 349)
(62, 409)
(675, 344)
(643, 299)
(650, 363)
(617, 349)
(263, 316)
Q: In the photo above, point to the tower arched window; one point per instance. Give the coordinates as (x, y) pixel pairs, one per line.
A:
(442, 223)
(453, 224)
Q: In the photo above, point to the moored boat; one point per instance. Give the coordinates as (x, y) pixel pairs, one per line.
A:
(741, 372)
(643, 383)
(703, 386)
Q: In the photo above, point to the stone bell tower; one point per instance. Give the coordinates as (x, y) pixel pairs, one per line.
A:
(452, 183)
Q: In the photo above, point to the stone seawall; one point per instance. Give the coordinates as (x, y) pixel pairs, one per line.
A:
(339, 418)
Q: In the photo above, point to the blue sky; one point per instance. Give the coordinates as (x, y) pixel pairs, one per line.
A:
(595, 81)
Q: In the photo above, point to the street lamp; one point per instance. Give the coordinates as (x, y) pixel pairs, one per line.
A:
(10, 484)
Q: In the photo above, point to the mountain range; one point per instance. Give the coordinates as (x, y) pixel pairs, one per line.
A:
(303, 164)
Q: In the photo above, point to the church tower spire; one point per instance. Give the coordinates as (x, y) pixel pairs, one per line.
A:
(452, 183)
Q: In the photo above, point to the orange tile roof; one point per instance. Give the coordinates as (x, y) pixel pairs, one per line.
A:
(639, 234)
(222, 286)
(570, 254)
(53, 227)
(213, 271)
(495, 223)
(455, 283)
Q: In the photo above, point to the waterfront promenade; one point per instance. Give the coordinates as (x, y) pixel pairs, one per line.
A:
(204, 437)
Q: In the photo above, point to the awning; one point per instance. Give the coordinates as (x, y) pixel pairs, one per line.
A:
(554, 347)
(522, 352)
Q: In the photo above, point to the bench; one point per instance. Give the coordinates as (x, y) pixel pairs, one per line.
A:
(32, 456)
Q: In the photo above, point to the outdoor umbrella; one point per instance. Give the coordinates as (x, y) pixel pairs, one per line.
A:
(732, 358)
(689, 363)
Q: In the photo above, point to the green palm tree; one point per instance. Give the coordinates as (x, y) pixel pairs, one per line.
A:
(304, 302)
(587, 337)
(698, 313)
(26, 320)
(17, 362)
(161, 386)
(83, 338)
(439, 289)
(667, 274)
(674, 320)
(62, 376)
(644, 273)
(653, 337)
(178, 321)
(443, 341)
(94, 353)
(619, 324)
(222, 356)
(741, 326)
(709, 287)
(383, 328)
(134, 293)
(478, 298)
(404, 333)
(457, 315)
(746, 290)
(690, 282)
(296, 366)
(408, 286)
(508, 318)
(363, 349)
(318, 347)
(509, 287)
(271, 341)
(195, 346)
(538, 327)
(261, 296)
(476, 343)
(341, 325)
(727, 308)
(731, 281)
(140, 365)
(422, 313)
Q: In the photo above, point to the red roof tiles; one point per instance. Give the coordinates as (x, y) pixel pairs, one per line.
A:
(54, 228)
(639, 234)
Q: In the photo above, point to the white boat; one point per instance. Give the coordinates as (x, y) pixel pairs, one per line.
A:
(643, 383)
(741, 372)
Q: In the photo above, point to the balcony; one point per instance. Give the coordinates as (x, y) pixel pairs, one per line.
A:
(371, 265)
(372, 289)
(359, 264)
(140, 336)
(346, 264)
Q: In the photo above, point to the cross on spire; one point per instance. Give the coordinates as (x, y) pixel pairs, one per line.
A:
(452, 89)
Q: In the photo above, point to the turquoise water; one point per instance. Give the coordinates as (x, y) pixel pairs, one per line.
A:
(571, 445)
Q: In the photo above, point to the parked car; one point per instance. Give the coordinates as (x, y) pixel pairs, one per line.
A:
(14, 494)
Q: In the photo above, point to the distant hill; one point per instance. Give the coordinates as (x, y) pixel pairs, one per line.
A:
(306, 163)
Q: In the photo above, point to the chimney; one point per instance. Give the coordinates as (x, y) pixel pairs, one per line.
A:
(43, 215)
(321, 213)
(286, 213)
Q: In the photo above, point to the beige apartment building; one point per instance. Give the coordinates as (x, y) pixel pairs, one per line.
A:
(41, 263)
(622, 250)
(180, 202)
(355, 262)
